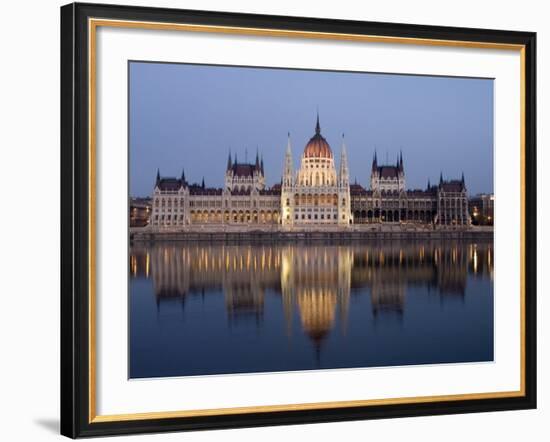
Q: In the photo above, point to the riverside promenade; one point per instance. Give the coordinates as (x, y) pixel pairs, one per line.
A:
(276, 233)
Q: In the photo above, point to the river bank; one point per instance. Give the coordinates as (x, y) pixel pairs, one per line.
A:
(276, 234)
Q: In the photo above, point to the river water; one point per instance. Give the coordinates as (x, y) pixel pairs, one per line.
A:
(215, 308)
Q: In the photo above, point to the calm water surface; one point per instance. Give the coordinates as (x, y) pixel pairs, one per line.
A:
(199, 308)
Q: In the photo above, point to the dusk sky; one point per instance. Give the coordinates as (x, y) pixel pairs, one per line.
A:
(190, 116)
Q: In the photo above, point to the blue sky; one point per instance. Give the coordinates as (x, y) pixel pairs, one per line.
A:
(190, 116)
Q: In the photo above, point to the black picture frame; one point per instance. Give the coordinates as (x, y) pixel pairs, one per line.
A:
(75, 220)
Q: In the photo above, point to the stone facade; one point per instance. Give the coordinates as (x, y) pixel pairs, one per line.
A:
(244, 200)
(315, 196)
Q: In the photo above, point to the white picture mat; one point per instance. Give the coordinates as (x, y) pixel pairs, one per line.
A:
(116, 394)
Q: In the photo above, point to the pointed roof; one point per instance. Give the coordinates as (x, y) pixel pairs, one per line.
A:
(288, 146)
(317, 126)
(317, 146)
(343, 154)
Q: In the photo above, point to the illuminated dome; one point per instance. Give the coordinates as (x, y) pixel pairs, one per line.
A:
(317, 146)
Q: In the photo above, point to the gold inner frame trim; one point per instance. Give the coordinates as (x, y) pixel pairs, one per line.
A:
(93, 24)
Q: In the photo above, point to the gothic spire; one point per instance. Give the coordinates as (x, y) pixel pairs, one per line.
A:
(401, 161)
(262, 164)
(158, 176)
(257, 159)
(229, 160)
(317, 126)
(287, 173)
(203, 185)
(441, 178)
(344, 172)
(182, 176)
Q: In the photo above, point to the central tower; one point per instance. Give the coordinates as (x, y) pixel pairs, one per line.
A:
(316, 194)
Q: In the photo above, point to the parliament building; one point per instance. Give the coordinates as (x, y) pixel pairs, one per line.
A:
(317, 195)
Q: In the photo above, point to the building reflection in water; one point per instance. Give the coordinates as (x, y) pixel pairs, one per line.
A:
(314, 281)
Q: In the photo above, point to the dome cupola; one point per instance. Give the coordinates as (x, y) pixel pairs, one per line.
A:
(317, 146)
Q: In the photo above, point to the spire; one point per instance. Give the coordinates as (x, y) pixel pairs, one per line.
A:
(429, 185)
(262, 164)
(202, 185)
(235, 162)
(401, 161)
(441, 178)
(288, 146)
(462, 177)
(374, 161)
(317, 126)
(229, 160)
(257, 159)
(158, 177)
(182, 176)
(344, 172)
(287, 173)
